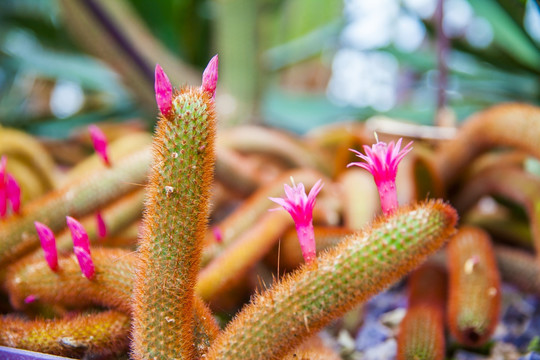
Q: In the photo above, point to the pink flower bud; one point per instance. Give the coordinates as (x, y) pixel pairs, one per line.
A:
(100, 143)
(101, 226)
(163, 90)
(48, 244)
(218, 234)
(300, 206)
(3, 201)
(210, 77)
(382, 161)
(30, 299)
(81, 247)
(13, 193)
(3, 164)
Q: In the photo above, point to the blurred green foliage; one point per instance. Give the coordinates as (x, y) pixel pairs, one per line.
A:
(275, 61)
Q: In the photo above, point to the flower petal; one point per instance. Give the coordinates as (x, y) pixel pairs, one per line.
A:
(81, 247)
(210, 77)
(163, 90)
(48, 244)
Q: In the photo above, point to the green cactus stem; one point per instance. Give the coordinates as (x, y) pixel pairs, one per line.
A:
(421, 333)
(475, 290)
(362, 265)
(77, 199)
(313, 349)
(518, 267)
(487, 129)
(275, 143)
(111, 287)
(511, 183)
(88, 335)
(175, 222)
(239, 257)
(16, 144)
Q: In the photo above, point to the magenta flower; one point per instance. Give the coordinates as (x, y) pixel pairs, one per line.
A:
(210, 77)
(382, 161)
(163, 88)
(10, 191)
(13, 191)
(101, 226)
(300, 206)
(81, 247)
(99, 140)
(48, 244)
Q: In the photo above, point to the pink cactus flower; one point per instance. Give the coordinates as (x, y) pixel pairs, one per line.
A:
(163, 88)
(210, 77)
(30, 299)
(382, 161)
(10, 191)
(13, 193)
(300, 206)
(99, 140)
(81, 247)
(48, 244)
(218, 234)
(3, 186)
(101, 226)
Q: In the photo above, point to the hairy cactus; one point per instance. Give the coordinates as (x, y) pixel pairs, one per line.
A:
(359, 267)
(174, 223)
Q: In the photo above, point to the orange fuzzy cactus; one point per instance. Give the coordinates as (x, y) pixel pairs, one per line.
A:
(175, 220)
(474, 292)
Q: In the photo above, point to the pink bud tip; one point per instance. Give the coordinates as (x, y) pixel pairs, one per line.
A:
(48, 244)
(100, 143)
(81, 247)
(101, 226)
(3, 201)
(210, 77)
(30, 299)
(218, 234)
(13, 193)
(163, 90)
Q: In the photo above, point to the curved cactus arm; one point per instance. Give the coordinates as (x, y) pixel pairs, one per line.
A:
(362, 265)
(90, 335)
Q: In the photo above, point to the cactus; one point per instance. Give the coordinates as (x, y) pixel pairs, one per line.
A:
(475, 291)
(174, 223)
(359, 267)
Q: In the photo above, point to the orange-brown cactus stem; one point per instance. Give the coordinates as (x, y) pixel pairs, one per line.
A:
(512, 183)
(236, 260)
(486, 129)
(87, 335)
(111, 286)
(363, 264)
(235, 173)
(252, 209)
(174, 227)
(475, 290)
(518, 267)
(421, 333)
(76, 199)
(313, 349)
(277, 143)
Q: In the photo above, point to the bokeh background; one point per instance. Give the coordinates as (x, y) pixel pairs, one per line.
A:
(295, 64)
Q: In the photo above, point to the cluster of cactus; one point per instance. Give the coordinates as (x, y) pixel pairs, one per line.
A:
(160, 298)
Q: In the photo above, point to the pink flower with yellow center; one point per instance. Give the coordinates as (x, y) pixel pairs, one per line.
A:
(382, 161)
(300, 206)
